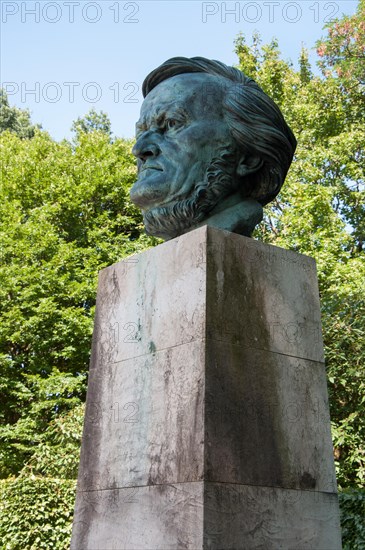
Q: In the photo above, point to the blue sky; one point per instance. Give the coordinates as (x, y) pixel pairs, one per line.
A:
(60, 58)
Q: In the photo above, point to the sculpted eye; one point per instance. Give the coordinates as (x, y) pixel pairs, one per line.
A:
(172, 124)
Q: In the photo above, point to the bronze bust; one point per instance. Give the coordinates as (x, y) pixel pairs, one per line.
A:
(212, 148)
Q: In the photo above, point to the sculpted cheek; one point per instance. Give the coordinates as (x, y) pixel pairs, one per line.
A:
(205, 135)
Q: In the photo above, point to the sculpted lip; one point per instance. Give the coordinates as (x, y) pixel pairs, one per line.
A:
(151, 168)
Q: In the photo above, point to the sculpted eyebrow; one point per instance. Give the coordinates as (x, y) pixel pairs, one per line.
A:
(159, 118)
(178, 113)
(141, 125)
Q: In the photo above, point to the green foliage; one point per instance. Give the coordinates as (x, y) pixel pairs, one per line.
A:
(36, 507)
(36, 512)
(49, 398)
(343, 327)
(15, 120)
(58, 449)
(343, 50)
(92, 122)
(321, 212)
(65, 214)
(352, 509)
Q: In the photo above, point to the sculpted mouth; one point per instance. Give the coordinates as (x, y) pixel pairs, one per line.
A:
(144, 168)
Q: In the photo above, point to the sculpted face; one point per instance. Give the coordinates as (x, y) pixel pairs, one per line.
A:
(178, 134)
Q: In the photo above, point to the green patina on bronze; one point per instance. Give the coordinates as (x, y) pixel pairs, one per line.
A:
(212, 148)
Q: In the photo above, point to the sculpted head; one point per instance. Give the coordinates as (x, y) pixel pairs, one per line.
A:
(211, 147)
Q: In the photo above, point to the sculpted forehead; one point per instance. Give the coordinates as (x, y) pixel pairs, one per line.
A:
(198, 94)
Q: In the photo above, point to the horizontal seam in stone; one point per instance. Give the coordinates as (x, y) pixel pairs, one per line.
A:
(214, 340)
(204, 481)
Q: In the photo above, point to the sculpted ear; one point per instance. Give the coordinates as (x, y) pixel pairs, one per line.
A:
(249, 164)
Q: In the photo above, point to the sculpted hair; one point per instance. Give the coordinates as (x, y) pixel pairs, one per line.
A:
(255, 121)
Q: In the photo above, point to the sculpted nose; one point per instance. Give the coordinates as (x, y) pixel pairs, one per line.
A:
(145, 147)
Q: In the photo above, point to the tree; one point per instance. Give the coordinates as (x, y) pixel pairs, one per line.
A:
(321, 211)
(343, 50)
(36, 506)
(342, 55)
(65, 214)
(15, 120)
(92, 122)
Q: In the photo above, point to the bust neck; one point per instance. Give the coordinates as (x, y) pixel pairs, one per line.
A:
(234, 214)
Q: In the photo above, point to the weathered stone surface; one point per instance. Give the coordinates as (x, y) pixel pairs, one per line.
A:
(239, 517)
(215, 412)
(144, 424)
(154, 301)
(257, 296)
(266, 419)
(262, 297)
(161, 517)
(206, 515)
(154, 420)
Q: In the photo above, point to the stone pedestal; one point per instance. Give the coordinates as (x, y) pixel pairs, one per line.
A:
(207, 423)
